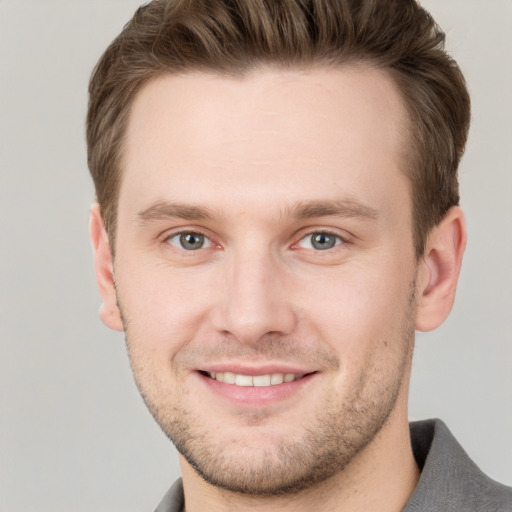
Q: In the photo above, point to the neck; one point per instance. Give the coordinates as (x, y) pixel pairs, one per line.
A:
(381, 477)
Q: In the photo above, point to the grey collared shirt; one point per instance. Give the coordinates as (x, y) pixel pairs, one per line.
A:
(449, 482)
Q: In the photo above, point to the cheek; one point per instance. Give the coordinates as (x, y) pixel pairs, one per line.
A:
(359, 309)
(163, 306)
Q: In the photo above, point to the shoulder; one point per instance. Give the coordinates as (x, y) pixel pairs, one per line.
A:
(173, 501)
(450, 480)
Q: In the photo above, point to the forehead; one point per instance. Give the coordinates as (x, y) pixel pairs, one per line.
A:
(264, 136)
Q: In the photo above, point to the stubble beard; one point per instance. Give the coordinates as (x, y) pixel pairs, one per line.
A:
(330, 440)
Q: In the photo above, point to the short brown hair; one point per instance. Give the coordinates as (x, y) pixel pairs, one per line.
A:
(234, 36)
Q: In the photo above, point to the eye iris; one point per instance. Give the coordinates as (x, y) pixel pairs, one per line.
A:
(191, 241)
(323, 241)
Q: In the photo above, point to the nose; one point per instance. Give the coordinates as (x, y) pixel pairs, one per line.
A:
(255, 301)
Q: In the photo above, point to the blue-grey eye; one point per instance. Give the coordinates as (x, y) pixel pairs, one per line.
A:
(189, 241)
(320, 241)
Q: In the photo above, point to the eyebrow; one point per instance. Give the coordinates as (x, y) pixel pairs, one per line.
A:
(346, 208)
(164, 210)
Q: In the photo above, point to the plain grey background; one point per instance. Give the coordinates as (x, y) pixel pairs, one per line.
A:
(74, 434)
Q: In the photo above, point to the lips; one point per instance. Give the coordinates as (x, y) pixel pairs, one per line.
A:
(255, 386)
(261, 387)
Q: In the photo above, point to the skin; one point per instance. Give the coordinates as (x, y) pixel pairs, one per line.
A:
(256, 165)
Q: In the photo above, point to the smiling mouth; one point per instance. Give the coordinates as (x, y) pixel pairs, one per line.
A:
(273, 379)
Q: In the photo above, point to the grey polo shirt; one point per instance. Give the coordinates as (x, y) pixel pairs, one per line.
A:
(449, 482)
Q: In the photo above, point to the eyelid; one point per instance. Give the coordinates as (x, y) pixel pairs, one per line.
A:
(167, 235)
(207, 241)
(303, 233)
(344, 237)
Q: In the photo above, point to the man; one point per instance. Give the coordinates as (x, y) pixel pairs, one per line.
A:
(277, 214)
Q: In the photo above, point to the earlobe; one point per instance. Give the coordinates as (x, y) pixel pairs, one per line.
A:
(439, 270)
(104, 269)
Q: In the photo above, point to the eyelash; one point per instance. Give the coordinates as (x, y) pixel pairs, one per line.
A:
(197, 233)
(340, 240)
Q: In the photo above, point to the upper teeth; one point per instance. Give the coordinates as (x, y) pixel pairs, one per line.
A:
(254, 380)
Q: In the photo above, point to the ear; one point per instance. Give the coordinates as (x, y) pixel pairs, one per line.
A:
(103, 262)
(439, 270)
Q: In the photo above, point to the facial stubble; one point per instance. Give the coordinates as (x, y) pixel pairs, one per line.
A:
(331, 439)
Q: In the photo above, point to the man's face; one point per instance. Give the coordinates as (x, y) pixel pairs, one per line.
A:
(264, 238)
